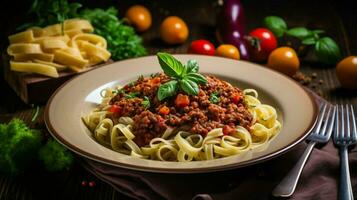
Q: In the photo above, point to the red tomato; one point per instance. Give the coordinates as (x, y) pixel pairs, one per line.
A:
(261, 42)
(201, 47)
(114, 109)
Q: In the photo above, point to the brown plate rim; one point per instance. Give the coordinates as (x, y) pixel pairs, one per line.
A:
(183, 171)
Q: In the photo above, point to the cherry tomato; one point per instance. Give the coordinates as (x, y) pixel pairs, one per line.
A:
(201, 47)
(228, 51)
(140, 17)
(284, 60)
(347, 72)
(173, 30)
(261, 42)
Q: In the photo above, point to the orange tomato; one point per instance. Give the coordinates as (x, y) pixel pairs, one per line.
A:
(140, 17)
(284, 60)
(346, 71)
(173, 30)
(228, 51)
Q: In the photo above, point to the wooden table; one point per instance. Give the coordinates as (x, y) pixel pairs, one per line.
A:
(337, 19)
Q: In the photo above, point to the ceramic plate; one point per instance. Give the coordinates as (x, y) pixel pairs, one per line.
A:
(296, 110)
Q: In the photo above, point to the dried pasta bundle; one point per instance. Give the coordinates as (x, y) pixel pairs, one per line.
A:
(57, 47)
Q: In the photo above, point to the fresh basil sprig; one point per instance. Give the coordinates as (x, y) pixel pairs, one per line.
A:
(184, 77)
(326, 48)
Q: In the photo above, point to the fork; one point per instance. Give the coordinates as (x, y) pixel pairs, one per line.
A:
(321, 133)
(345, 135)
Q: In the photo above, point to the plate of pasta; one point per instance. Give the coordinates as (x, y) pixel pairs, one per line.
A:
(180, 114)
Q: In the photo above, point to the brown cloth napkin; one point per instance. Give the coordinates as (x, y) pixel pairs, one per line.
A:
(319, 180)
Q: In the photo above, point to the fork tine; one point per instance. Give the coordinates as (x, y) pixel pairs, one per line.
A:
(342, 130)
(331, 122)
(353, 119)
(348, 131)
(320, 119)
(337, 124)
(326, 117)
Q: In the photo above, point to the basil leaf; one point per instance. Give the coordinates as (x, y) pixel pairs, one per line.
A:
(171, 66)
(276, 24)
(192, 66)
(327, 50)
(196, 77)
(299, 32)
(189, 87)
(318, 31)
(309, 41)
(167, 90)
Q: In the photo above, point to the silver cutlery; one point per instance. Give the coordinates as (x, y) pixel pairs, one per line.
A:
(345, 135)
(321, 133)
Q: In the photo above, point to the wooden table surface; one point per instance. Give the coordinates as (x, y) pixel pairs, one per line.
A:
(336, 18)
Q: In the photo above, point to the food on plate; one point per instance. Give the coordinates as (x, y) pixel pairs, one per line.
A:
(139, 16)
(347, 72)
(284, 60)
(204, 47)
(261, 42)
(228, 51)
(174, 30)
(231, 26)
(181, 115)
(57, 47)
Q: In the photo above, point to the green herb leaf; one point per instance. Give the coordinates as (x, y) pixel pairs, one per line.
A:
(131, 95)
(146, 102)
(171, 66)
(196, 77)
(214, 98)
(299, 32)
(189, 87)
(192, 66)
(167, 90)
(327, 50)
(309, 41)
(276, 24)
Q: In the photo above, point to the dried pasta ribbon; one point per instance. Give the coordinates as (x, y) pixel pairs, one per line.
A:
(34, 68)
(22, 37)
(24, 48)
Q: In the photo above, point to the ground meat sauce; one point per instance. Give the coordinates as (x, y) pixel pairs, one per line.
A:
(200, 115)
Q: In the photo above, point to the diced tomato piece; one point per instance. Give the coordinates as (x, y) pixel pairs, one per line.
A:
(227, 130)
(115, 109)
(164, 110)
(236, 98)
(182, 101)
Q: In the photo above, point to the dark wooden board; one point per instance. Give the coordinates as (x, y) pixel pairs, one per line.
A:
(36, 88)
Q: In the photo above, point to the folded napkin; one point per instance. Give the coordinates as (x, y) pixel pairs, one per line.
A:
(319, 179)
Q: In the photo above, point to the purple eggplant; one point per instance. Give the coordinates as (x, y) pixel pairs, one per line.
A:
(231, 26)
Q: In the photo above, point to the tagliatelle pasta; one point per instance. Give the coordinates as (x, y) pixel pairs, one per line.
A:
(176, 144)
(57, 47)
